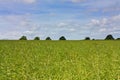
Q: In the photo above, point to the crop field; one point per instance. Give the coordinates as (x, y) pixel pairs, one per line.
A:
(60, 60)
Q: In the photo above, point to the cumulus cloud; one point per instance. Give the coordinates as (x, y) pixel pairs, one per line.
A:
(102, 29)
(10, 35)
(75, 1)
(104, 26)
(19, 25)
(29, 1)
(62, 24)
(106, 6)
(114, 20)
(15, 26)
(72, 30)
(23, 1)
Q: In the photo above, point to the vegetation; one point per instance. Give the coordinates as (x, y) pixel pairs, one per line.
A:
(87, 38)
(109, 37)
(36, 38)
(23, 38)
(48, 38)
(62, 38)
(118, 39)
(59, 60)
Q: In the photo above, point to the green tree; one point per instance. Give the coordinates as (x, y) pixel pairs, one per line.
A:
(62, 38)
(109, 37)
(36, 38)
(23, 38)
(118, 39)
(48, 38)
(87, 38)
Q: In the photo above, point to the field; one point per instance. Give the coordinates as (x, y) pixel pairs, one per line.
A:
(59, 60)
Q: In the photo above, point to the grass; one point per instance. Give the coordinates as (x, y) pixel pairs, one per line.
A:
(59, 60)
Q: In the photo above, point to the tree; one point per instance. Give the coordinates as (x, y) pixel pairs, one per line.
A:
(48, 38)
(62, 38)
(36, 38)
(87, 38)
(23, 38)
(118, 39)
(109, 37)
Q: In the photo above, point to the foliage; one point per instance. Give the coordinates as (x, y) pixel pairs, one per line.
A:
(118, 39)
(109, 37)
(59, 60)
(62, 38)
(87, 38)
(48, 38)
(23, 38)
(36, 38)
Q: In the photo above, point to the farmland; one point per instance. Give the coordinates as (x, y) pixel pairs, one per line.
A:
(60, 60)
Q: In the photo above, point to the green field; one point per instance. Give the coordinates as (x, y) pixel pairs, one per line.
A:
(59, 60)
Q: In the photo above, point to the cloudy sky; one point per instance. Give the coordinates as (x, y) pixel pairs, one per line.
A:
(74, 19)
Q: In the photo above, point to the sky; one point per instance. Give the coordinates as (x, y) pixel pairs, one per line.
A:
(74, 19)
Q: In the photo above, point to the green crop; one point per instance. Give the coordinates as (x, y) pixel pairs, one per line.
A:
(59, 60)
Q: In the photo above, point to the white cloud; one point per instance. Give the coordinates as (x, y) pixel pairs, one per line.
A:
(72, 30)
(29, 32)
(23, 1)
(102, 30)
(75, 1)
(29, 1)
(18, 20)
(10, 35)
(116, 18)
(15, 26)
(104, 26)
(106, 6)
(62, 24)
(110, 21)
(23, 25)
(95, 22)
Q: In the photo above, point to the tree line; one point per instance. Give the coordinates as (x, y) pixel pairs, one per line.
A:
(108, 37)
(38, 38)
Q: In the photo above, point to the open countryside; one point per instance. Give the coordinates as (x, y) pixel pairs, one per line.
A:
(59, 39)
(59, 60)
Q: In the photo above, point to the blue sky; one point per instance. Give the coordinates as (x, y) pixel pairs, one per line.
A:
(74, 19)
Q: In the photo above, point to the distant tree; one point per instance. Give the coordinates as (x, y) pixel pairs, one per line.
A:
(48, 38)
(118, 39)
(93, 39)
(36, 38)
(23, 38)
(109, 37)
(62, 38)
(87, 38)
